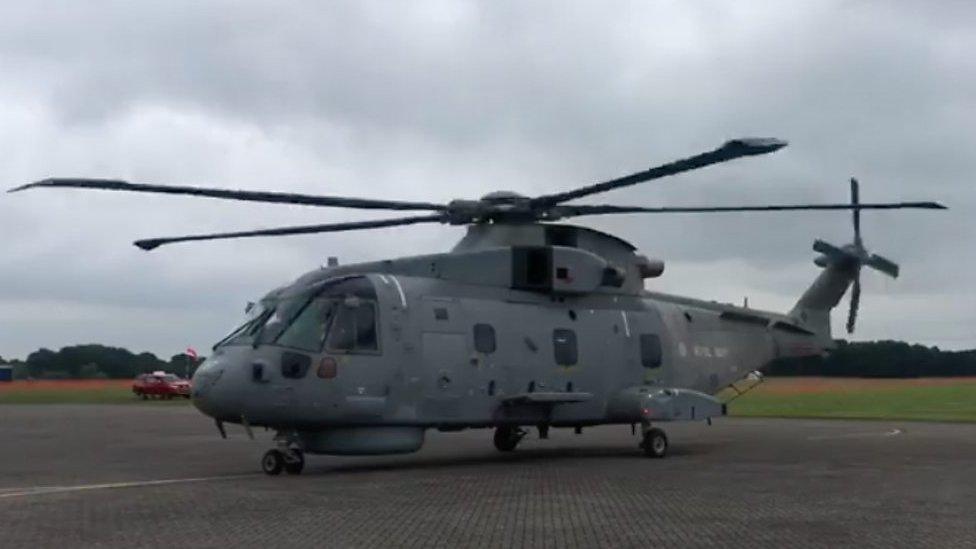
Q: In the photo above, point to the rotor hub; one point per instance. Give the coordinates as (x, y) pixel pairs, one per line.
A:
(493, 207)
(504, 197)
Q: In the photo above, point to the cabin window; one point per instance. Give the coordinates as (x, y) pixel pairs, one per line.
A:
(650, 350)
(484, 338)
(564, 346)
(354, 328)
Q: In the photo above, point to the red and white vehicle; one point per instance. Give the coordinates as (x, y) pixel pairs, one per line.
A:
(160, 385)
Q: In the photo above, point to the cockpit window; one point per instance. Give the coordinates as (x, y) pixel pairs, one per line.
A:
(281, 317)
(309, 329)
(354, 328)
(244, 334)
(303, 318)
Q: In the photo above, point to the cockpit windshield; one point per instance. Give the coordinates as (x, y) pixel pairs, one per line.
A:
(339, 315)
(256, 315)
(308, 331)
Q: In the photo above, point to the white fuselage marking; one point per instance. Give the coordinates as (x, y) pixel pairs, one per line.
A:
(403, 298)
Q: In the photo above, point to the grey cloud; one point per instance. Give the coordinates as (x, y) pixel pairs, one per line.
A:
(442, 100)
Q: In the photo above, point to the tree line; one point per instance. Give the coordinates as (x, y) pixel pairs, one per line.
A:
(95, 361)
(880, 359)
(851, 359)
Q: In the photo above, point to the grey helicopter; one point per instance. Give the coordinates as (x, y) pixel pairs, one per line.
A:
(525, 323)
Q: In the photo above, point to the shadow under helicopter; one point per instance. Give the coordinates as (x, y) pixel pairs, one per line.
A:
(532, 455)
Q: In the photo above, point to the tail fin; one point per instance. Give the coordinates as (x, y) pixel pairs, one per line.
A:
(812, 310)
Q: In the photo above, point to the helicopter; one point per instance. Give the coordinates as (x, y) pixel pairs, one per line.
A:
(525, 323)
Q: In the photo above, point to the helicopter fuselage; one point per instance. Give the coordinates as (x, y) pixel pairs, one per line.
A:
(362, 359)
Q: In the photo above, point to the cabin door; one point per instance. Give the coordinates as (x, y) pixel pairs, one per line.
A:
(648, 350)
(445, 357)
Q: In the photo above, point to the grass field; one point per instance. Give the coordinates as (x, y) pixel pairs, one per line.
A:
(77, 391)
(936, 399)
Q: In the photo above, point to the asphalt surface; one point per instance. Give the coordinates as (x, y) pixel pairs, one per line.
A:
(121, 476)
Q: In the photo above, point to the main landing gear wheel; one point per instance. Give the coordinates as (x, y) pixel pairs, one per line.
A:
(507, 437)
(273, 462)
(290, 461)
(655, 443)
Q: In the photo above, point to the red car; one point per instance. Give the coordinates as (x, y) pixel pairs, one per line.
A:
(160, 385)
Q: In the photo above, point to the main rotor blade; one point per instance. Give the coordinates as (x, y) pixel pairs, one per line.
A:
(731, 149)
(152, 243)
(572, 211)
(251, 196)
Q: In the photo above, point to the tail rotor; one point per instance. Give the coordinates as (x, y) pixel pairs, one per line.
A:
(852, 257)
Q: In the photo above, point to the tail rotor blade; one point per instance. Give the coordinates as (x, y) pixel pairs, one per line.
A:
(855, 302)
(883, 264)
(856, 212)
(829, 250)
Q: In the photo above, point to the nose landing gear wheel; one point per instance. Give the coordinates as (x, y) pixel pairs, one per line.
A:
(273, 462)
(655, 443)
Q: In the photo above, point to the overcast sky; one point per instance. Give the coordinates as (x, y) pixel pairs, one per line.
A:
(438, 100)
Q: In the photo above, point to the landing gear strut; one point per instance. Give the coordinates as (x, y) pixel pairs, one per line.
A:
(285, 458)
(507, 437)
(654, 442)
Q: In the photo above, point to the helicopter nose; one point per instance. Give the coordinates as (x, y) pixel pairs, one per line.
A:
(207, 393)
